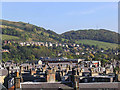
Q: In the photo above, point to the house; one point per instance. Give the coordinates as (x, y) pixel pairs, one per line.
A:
(102, 51)
(77, 53)
(46, 44)
(77, 45)
(82, 53)
(22, 44)
(59, 44)
(66, 46)
(75, 48)
(5, 50)
(59, 54)
(39, 62)
(50, 44)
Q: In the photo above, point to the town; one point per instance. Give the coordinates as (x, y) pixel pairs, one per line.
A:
(59, 45)
(62, 73)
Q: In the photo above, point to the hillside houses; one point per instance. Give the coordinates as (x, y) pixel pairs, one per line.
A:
(55, 49)
(5, 50)
(50, 44)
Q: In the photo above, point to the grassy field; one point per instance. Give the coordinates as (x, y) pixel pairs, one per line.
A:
(100, 44)
(9, 37)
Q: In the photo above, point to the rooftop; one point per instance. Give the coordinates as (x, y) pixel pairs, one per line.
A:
(100, 85)
(45, 85)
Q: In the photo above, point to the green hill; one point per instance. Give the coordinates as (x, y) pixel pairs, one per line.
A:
(28, 32)
(98, 35)
(9, 37)
(100, 44)
(21, 31)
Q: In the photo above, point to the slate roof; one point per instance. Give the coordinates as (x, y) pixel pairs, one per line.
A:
(3, 72)
(100, 85)
(2, 87)
(44, 85)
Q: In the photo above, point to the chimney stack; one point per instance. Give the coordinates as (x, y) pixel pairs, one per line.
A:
(17, 73)
(50, 75)
(17, 80)
(75, 79)
(21, 69)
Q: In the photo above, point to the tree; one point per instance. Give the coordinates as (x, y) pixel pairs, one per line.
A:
(34, 30)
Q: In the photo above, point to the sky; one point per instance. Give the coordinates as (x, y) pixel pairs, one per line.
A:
(64, 16)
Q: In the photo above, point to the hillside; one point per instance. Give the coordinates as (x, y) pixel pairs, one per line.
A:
(28, 32)
(98, 35)
(21, 31)
(9, 37)
(100, 44)
(91, 41)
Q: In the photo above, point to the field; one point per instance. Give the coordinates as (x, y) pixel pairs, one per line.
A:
(9, 37)
(100, 44)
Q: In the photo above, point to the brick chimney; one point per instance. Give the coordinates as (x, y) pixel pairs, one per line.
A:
(50, 75)
(107, 70)
(21, 69)
(17, 80)
(55, 68)
(118, 74)
(32, 71)
(17, 73)
(71, 64)
(44, 68)
(93, 72)
(80, 72)
(67, 68)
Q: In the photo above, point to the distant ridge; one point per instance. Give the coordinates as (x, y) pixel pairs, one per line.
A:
(98, 35)
(29, 32)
